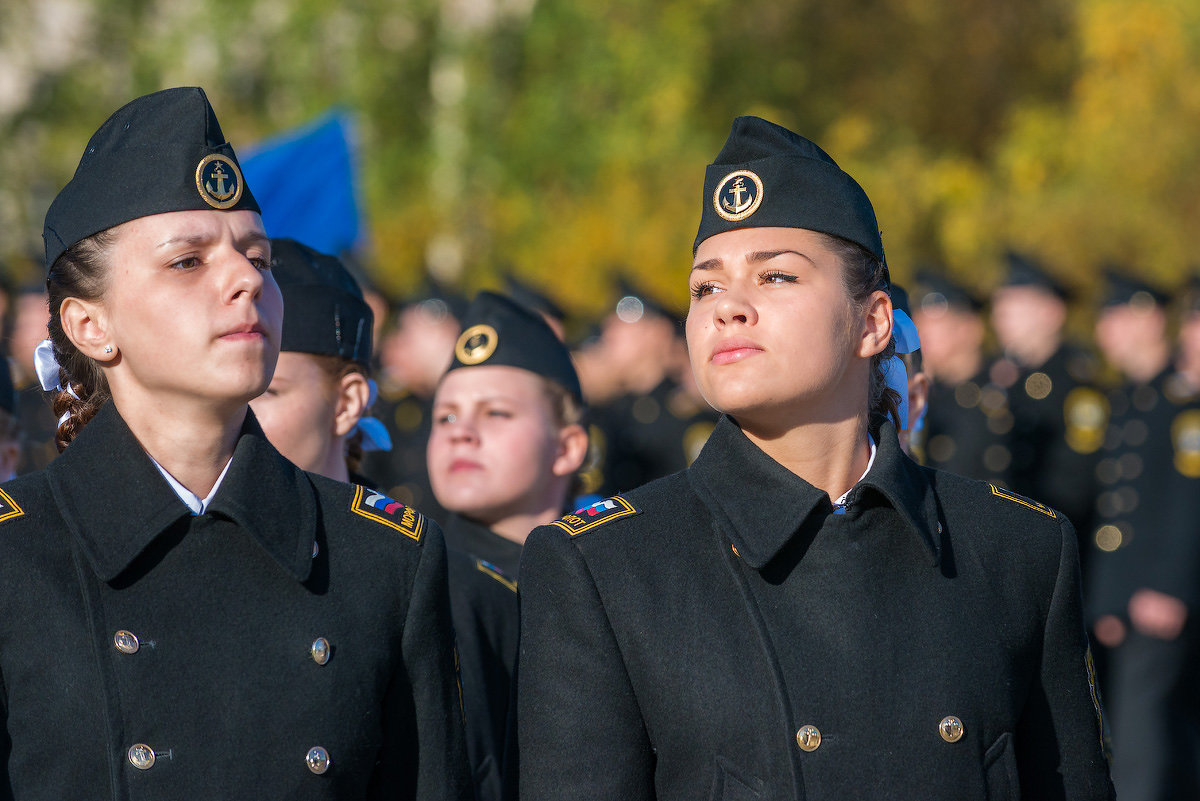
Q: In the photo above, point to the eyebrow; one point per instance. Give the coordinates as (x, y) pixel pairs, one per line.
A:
(186, 239)
(755, 257)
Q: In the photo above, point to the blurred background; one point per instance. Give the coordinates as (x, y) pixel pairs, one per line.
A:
(566, 139)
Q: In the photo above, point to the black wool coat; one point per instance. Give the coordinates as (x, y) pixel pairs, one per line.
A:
(722, 634)
(292, 642)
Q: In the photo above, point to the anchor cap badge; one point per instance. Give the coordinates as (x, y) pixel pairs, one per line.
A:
(219, 181)
(738, 195)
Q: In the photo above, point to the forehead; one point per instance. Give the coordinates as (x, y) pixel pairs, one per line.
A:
(198, 226)
(488, 382)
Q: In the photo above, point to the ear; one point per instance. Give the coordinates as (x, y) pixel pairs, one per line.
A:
(353, 392)
(86, 325)
(877, 325)
(572, 450)
(918, 397)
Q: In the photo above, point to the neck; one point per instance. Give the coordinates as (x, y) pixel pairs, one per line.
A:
(1036, 352)
(831, 455)
(334, 463)
(192, 442)
(515, 524)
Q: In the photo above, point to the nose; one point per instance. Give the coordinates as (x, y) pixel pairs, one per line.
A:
(734, 307)
(245, 280)
(461, 429)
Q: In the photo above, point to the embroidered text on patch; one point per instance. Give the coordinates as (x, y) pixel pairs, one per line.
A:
(595, 515)
(8, 507)
(376, 506)
(1015, 498)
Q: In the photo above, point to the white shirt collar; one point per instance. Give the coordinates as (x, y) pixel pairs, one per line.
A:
(194, 502)
(842, 500)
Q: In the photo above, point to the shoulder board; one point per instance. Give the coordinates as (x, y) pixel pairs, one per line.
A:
(1185, 436)
(491, 571)
(599, 513)
(1023, 501)
(374, 505)
(8, 507)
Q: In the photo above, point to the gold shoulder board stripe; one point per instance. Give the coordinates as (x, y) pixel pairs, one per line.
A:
(491, 571)
(597, 514)
(376, 506)
(1015, 498)
(8, 507)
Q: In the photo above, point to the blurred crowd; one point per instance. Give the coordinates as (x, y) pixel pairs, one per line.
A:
(1106, 431)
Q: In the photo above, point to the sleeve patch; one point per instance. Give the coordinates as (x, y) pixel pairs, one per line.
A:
(597, 514)
(374, 505)
(8, 507)
(490, 570)
(1015, 498)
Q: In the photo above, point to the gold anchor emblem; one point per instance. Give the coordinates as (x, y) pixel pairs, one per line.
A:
(734, 199)
(219, 181)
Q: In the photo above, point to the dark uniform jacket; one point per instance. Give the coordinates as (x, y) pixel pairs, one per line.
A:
(483, 605)
(482, 543)
(722, 634)
(966, 429)
(292, 642)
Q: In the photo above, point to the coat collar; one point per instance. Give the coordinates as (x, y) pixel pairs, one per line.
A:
(116, 503)
(763, 504)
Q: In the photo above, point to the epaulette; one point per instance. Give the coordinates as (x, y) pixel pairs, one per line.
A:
(8, 507)
(1009, 495)
(599, 513)
(491, 571)
(374, 505)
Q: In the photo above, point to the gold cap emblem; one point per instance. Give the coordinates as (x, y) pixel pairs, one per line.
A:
(738, 195)
(219, 181)
(476, 344)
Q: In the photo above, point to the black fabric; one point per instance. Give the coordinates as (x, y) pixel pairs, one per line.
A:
(143, 160)
(226, 606)
(532, 298)
(1026, 270)
(933, 289)
(483, 605)
(324, 310)
(480, 542)
(1122, 286)
(966, 429)
(503, 332)
(675, 652)
(802, 187)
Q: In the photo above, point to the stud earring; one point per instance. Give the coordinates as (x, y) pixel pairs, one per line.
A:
(108, 348)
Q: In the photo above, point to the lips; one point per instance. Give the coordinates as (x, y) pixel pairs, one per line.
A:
(460, 465)
(246, 331)
(735, 349)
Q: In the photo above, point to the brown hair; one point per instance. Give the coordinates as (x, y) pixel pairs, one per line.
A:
(567, 411)
(863, 275)
(80, 272)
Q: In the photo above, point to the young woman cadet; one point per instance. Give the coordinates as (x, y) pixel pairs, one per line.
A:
(187, 614)
(804, 613)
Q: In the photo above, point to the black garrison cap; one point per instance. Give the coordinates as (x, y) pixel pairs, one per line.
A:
(634, 304)
(1123, 287)
(499, 331)
(162, 152)
(767, 176)
(531, 297)
(323, 307)
(933, 289)
(1025, 270)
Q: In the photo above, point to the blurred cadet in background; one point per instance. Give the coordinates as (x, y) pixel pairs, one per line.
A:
(10, 425)
(535, 300)
(38, 422)
(968, 419)
(1057, 413)
(1144, 587)
(412, 357)
(658, 422)
(508, 438)
(917, 403)
(315, 409)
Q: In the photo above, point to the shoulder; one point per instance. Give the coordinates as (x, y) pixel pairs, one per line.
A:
(994, 514)
(27, 501)
(358, 507)
(630, 511)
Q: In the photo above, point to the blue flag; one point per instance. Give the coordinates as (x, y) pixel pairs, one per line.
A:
(306, 184)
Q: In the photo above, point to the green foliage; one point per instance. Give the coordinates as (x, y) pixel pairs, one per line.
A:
(568, 138)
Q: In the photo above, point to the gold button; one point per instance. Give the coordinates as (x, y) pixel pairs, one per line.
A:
(808, 738)
(141, 756)
(318, 760)
(320, 650)
(126, 642)
(951, 729)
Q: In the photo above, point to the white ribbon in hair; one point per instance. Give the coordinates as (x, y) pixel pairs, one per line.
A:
(49, 373)
(375, 436)
(904, 333)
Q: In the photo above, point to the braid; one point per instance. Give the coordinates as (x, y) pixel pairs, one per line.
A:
(78, 273)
